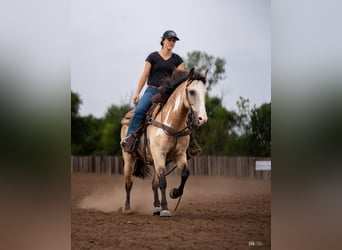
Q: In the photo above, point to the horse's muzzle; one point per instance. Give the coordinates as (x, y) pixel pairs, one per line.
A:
(202, 120)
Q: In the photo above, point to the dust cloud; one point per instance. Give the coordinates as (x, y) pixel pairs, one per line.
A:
(109, 195)
(111, 198)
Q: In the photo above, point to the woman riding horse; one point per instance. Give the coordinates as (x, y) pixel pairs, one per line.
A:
(167, 137)
(159, 64)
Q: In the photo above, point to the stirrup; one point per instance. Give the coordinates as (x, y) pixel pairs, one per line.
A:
(192, 152)
(194, 149)
(128, 143)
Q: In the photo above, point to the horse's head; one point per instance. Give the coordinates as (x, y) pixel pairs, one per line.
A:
(196, 93)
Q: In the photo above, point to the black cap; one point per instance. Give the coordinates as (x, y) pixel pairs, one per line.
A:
(170, 34)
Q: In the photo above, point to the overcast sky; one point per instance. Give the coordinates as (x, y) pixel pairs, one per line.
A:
(111, 40)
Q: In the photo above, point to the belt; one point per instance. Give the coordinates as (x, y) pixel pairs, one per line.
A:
(153, 86)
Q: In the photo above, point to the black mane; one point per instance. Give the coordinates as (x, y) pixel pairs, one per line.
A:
(169, 84)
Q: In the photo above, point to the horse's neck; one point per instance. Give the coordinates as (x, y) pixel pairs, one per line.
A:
(174, 113)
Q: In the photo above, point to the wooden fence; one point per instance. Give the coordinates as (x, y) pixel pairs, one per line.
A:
(202, 165)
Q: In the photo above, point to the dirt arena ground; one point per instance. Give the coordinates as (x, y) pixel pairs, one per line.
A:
(214, 213)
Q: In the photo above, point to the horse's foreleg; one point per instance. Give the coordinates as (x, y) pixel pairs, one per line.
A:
(176, 192)
(156, 203)
(128, 182)
(128, 186)
(163, 184)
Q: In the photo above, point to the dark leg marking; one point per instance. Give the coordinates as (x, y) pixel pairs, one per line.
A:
(176, 192)
(163, 185)
(128, 186)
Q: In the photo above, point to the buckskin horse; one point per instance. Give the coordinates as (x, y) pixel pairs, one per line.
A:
(167, 136)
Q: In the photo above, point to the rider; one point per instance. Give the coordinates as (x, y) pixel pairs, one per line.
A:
(158, 65)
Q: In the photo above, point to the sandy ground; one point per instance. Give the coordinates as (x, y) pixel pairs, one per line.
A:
(214, 213)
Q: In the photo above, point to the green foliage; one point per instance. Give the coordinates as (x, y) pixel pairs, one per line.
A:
(115, 113)
(243, 114)
(109, 143)
(201, 61)
(75, 104)
(246, 133)
(93, 136)
(76, 136)
(110, 139)
(217, 129)
(87, 132)
(261, 130)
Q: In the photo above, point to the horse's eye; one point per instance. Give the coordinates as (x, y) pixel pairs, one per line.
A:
(192, 92)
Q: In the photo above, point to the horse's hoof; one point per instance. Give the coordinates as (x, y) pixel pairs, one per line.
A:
(128, 211)
(165, 213)
(174, 193)
(156, 211)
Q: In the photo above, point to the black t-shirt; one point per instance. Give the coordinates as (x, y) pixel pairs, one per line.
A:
(161, 68)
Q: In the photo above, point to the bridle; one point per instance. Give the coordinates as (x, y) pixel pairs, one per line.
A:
(171, 131)
(190, 104)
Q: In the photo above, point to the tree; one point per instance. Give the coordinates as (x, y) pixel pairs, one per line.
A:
(201, 61)
(110, 137)
(75, 104)
(116, 113)
(85, 131)
(214, 136)
(76, 136)
(243, 117)
(88, 131)
(260, 126)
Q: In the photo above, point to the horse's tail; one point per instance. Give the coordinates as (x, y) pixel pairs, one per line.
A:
(141, 170)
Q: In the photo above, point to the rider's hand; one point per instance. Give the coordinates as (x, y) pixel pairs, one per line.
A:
(136, 99)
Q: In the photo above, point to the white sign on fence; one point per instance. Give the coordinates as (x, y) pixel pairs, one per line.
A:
(262, 165)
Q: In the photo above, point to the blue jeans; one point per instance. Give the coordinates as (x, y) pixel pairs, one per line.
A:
(142, 107)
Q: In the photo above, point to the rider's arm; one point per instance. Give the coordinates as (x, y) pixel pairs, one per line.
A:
(180, 67)
(142, 81)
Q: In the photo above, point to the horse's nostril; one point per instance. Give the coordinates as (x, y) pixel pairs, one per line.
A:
(202, 120)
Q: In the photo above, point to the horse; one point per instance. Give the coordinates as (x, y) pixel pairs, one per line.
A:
(167, 136)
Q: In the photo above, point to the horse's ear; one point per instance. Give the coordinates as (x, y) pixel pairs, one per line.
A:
(191, 73)
(206, 73)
